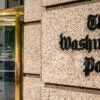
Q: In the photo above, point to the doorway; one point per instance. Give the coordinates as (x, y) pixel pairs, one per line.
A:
(10, 53)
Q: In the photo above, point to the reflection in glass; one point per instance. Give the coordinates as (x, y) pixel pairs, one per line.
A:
(14, 3)
(7, 63)
(7, 83)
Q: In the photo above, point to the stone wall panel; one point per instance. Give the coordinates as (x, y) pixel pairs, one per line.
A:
(33, 10)
(32, 88)
(32, 48)
(59, 94)
(66, 67)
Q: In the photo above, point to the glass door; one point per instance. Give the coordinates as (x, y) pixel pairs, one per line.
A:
(10, 51)
(7, 63)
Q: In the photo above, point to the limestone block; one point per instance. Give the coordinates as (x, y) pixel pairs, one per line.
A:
(32, 88)
(66, 67)
(33, 10)
(59, 94)
(53, 2)
(32, 48)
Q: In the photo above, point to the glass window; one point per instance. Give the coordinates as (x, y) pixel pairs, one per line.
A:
(7, 63)
(14, 3)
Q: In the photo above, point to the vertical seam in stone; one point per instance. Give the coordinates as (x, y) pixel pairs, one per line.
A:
(41, 62)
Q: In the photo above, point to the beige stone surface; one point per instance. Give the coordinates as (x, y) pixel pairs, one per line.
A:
(53, 2)
(32, 88)
(33, 10)
(66, 67)
(58, 94)
(32, 48)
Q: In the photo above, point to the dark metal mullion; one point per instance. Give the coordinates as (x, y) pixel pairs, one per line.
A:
(7, 3)
(20, 2)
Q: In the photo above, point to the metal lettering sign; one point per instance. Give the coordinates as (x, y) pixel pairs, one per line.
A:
(93, 22)
(90, 66)
(86, 43)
